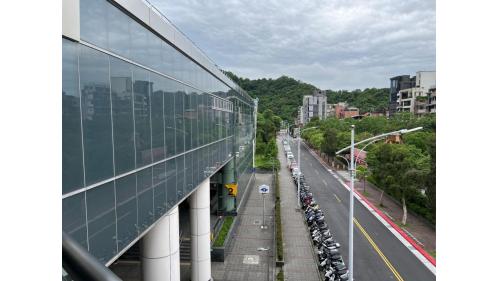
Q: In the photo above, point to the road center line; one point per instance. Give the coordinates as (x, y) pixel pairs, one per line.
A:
(379, 252)
(338, 199)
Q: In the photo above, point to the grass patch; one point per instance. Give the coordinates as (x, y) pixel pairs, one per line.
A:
(266, 163)
(365, 193)
(401, 225)
(228, 221)
(432, 253)
(280, 276)
(277, 218)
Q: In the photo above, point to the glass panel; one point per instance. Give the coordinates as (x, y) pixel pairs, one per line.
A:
(167, 57)
(188, 164)
(73, 218)
(142, 112)
(145, 198)
(179, 163)
(102, 221)
(119, 31)
(157, 126)
(171, 183)
(155, 51)
(169, 108)
(139, 50)
(72, 157)
(123, 115)
(179, 119)
(160, 188)
(93, 22)
(188, 110)
(96, 113)
(126, 210)
(194, 119)
(201, 109)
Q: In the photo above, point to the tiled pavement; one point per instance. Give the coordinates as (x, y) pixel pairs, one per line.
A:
(300, 263)
(245, 261)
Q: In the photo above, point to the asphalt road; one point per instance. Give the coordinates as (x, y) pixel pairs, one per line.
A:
(384, 257)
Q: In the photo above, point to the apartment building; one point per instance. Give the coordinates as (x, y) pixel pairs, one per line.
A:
(414, 99)
(314, 106)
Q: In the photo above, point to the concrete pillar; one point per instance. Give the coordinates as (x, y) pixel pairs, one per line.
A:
(228, 177)
(160, 250)
(199, 216)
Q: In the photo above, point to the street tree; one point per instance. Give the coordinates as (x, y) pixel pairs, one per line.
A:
(362, 173)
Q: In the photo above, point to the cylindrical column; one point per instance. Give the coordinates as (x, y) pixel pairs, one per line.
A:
(160, 250)
(199, 216)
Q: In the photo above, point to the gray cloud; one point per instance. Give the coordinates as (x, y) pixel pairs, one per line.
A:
(340, 44)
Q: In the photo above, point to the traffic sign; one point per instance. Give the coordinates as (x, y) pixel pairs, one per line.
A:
(264, 189)
(232, 188)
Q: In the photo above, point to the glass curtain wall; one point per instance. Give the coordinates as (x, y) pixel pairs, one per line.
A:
(143, 125)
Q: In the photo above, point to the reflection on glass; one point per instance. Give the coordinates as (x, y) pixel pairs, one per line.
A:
(160, 189)
(126, 208)
(72, 158)
(73, 218)
(101, 218)
(157, 125)
(142, 112)
(96, 114)
(145, 198)
(169, 114)
(123, 115)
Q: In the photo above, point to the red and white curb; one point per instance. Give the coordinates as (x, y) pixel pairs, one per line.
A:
(406, 240)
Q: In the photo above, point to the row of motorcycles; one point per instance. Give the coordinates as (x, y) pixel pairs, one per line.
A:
(328, 249)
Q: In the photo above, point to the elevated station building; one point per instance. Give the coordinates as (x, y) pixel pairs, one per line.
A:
(149, 124)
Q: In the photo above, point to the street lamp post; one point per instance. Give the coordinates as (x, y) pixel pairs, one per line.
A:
(351, 209)
(352, 169)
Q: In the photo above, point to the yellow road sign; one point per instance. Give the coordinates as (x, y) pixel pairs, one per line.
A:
(233, 189)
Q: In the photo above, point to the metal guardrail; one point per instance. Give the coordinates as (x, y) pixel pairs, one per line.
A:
(81, 265)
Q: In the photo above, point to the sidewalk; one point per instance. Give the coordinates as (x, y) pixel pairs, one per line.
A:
(418, 229)
(300, 263)
(251, 252)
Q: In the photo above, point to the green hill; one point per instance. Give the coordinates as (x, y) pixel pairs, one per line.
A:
(284, 95)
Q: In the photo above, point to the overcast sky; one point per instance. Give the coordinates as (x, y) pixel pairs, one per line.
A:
(336, 44)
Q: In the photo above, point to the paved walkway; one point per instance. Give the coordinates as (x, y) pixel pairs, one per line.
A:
(417, 228)
(300, 263)
(251, 253)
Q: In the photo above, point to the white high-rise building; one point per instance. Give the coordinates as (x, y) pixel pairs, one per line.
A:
(314, 106)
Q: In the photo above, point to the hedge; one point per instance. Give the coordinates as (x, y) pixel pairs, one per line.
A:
(228, 221)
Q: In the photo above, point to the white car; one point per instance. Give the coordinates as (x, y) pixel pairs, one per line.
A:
(289, 156)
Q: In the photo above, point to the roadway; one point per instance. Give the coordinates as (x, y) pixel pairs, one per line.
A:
(378, 254)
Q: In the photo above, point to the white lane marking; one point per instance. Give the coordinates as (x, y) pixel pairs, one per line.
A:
(325, 183)
(317, 173)
(407, 244)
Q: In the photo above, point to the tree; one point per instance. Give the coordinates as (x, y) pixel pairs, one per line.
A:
(398, 169)
(329, 145)
(361, 173)
(411, 179)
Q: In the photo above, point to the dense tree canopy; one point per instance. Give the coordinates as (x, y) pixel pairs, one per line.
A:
(284, 95)
(405, 171)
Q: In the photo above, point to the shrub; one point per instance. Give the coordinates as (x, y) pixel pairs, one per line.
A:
(226, 226)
